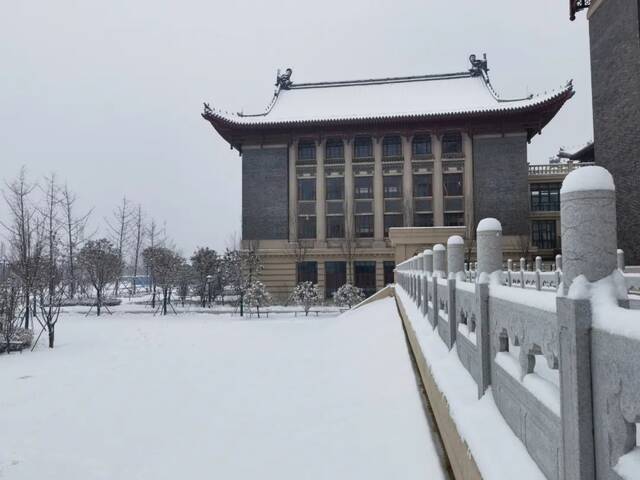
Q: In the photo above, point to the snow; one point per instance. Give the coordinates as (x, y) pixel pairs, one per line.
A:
(478, 421)
(132, 396)
(386, 100)
(608, 316)
(438, 247)
(525, 296)
(455, 240)
(628, 466)
(464, 330)
(587, 178)
(489, 225)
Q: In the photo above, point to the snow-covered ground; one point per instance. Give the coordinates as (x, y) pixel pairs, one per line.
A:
(131, 396)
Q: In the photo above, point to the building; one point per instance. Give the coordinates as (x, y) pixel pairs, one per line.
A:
(331, 169)
(614, 35)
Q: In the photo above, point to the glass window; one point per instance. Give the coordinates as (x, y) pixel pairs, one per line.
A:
(423, 220)
(335, 276)
(392, 147)
(451, 143)
(363, 187)
(392, 186)
(306, 189)
(389, 267)
(307, 272)
(452, 183)
(543, 234)
(454, 219)
(362, 147)
(364, 276)
(335, 226)
(364, 226)
(306, 226)
(335, 188)
(306, 151)
(334, 150)
(422, 186)
(421, 145)
(392, 220)
(545, 197)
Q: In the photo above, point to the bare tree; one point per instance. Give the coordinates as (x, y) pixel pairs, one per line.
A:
(100, 261)
(120, 230)
(25, 237)
(74, 231)
(156, 238)
(523, 246)
(138, 238)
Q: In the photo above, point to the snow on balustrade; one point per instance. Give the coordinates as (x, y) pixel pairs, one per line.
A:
(518, 332)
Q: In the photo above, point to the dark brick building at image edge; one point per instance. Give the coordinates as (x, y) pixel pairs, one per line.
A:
(614, 35)
(331, 170)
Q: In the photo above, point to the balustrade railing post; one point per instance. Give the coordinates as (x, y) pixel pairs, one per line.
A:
(620, 259)
(523, 266)
(509, 272)
(588, 226)
(558, 270)
(489, 241)
(455, 264)
(427, 270)
(538, 271)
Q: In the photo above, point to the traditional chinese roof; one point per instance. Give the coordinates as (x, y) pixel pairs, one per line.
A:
(460, 95)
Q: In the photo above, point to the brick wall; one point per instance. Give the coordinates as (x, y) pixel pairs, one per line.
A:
(500, 182)
(614, 30)
(265, 194)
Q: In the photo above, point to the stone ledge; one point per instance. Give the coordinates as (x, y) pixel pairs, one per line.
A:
(462, 462)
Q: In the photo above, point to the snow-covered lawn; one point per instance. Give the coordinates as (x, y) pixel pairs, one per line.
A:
(134, 397)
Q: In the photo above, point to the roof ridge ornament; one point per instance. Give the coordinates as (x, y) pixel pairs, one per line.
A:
(478, 66)
(284, 81)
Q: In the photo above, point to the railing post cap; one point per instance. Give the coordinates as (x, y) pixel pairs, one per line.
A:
(428, 251)
(455, 240)
(586, 179)
(489, 225)
(438, 247)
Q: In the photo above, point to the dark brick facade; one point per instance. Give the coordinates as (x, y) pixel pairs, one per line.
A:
(614, 30)
(265, 194)
(500, 185)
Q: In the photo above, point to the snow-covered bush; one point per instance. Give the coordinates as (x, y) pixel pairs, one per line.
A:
(257, 296)
(307, 295)
(348, 295)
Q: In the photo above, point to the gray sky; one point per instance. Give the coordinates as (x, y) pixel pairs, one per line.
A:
(108, 94)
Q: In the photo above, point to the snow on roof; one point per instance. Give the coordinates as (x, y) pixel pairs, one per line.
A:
(455, 240)
(489, 225)
(388, 98)
(588, 178)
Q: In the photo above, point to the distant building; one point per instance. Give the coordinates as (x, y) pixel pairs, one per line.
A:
(330, 171)
(614, 33)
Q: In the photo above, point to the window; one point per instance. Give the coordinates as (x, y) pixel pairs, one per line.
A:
(392, 185)
(451, 143)
(363, 187)
(543, 234)
(392, 220)
(455, 219)
(452, 183)
(363, 148)
(335, 276)
(364, 276)
(422, 186)
(334, 151)
(306, 226)
(421, 146)
(306, 152)
(389, 267)
(306, 189)
(335, 226)
(391, 147)
(307, 272)
(545, 197)
(364, 226)
(423, 220)
(335, 188)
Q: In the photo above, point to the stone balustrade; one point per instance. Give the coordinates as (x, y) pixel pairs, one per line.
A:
(556, 168)
(559, 348)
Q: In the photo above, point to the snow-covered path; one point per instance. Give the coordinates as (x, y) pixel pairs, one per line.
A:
(135, 397)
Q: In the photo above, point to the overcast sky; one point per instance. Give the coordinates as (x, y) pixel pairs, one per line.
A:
(108, 94)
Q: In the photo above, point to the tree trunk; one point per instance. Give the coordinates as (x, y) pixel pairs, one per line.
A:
(98, 302)
(27, 311)
(242, 304)
(51, 335)
(164, 301)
